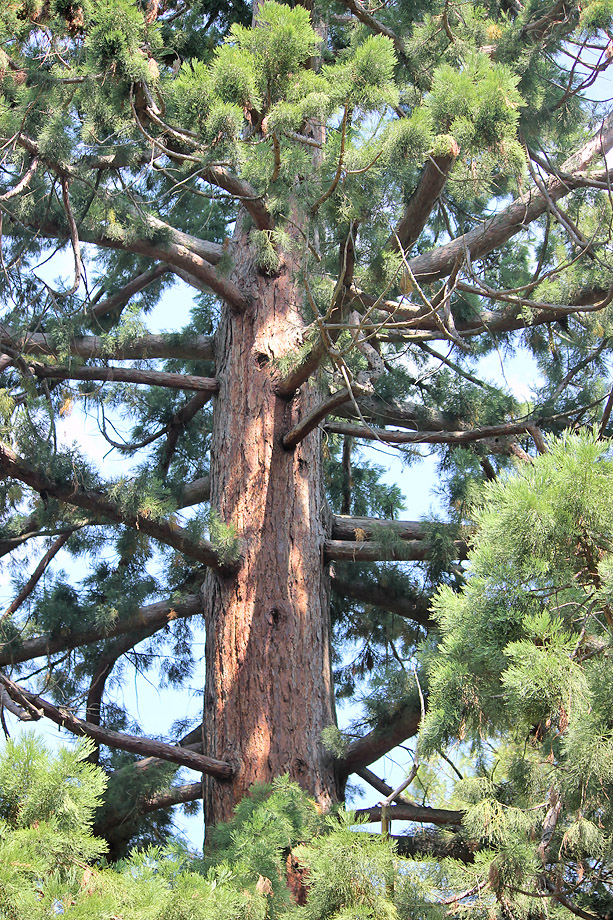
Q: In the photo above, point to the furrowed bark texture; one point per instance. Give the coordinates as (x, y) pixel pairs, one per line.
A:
(268, 692)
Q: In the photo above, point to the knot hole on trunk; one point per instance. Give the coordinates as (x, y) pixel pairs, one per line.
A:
(262, 359)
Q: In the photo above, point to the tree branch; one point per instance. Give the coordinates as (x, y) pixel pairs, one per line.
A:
(146, 619)
(307, 365)
(37, 574)
(176, 795)
(420, 205)
(133, 743)
(381, 786)
(412, 608)
(372, 551)
(418, 813)
(432, 437)
(102, 671)
(246, 194)
(380, 740)
(431, 844)
(180, 419)
(121, 297)
(438, 263)
(127, 375)
(24, 715)
(299, 432)
(359, 11)
(404, 414)
(198, 348)
(23, 182)
(345, 527)
(193, 493)
(165, 531)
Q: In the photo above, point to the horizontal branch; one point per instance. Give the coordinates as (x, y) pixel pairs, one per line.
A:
(176, 795)
(412, 608)
(127, 375)
(429, 266)
(196, 348)
(124, 742)
(418, 813)
(165, 531)
(372, 551)
(149, 618)
(346, 527)
(432, 437)
(381, 740)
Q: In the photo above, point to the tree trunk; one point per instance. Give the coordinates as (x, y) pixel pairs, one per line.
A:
(268, 691)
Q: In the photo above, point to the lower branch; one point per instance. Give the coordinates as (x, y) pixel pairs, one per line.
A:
(418, 813)
(133, 743)
(371, 551)
(413, 608)
(380, 741)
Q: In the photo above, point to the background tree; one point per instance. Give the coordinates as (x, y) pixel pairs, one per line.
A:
(365, 203)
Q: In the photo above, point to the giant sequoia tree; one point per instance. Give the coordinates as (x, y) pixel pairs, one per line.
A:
(363, 201)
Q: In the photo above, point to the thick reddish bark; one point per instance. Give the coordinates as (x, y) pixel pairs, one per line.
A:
(268, 688)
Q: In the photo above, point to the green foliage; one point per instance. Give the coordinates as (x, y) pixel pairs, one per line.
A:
(132, 104)
(47, 854)
(523, 660)
(224, 539)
